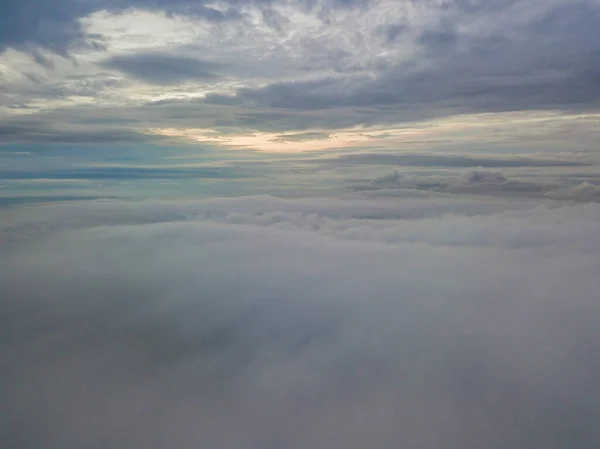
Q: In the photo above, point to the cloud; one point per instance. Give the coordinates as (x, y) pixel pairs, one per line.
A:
(440, 39)
(49, 218)
(198, 332)
(477, 180)
(531, 68)
(388, 180)
(454, 160)
(391, 32)
(301, 137)
(483, 181)
(36, 132)
(163, 68)
(55, 26)
(50, 25)
(303, 66)
(122, 171)
(481, 174)
(586, 191)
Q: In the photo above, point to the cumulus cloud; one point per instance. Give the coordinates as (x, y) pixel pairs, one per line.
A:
(481, 174)
(480, 181)
(454, 160)
(517, 180)
(388, 180)
(586, 191)
(181, 323)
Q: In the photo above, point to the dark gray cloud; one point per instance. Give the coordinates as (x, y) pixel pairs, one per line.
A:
(391, 32)
(475, 6)
(179, 113)
(552, 63)
(451, 161)
(519, 177)
(439, 40)
(460, 57)
(42, 131)
(43, 88)
(163, 68)
(390, 180)
(479, 181)
(464, 84)
(48, 24)
(478, 175)
(124, 172)
(26, 199)
(475, 181)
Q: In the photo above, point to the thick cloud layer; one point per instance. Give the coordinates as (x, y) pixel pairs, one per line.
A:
(270, 323)
(303, 66)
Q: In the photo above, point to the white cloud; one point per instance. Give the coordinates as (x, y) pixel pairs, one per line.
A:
(209, 324)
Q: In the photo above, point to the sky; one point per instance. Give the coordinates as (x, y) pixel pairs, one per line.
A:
(290, 224)
(208, 91)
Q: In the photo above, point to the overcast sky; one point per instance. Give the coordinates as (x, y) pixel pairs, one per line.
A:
(294, 224)
(190, 97)
(297, 74)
